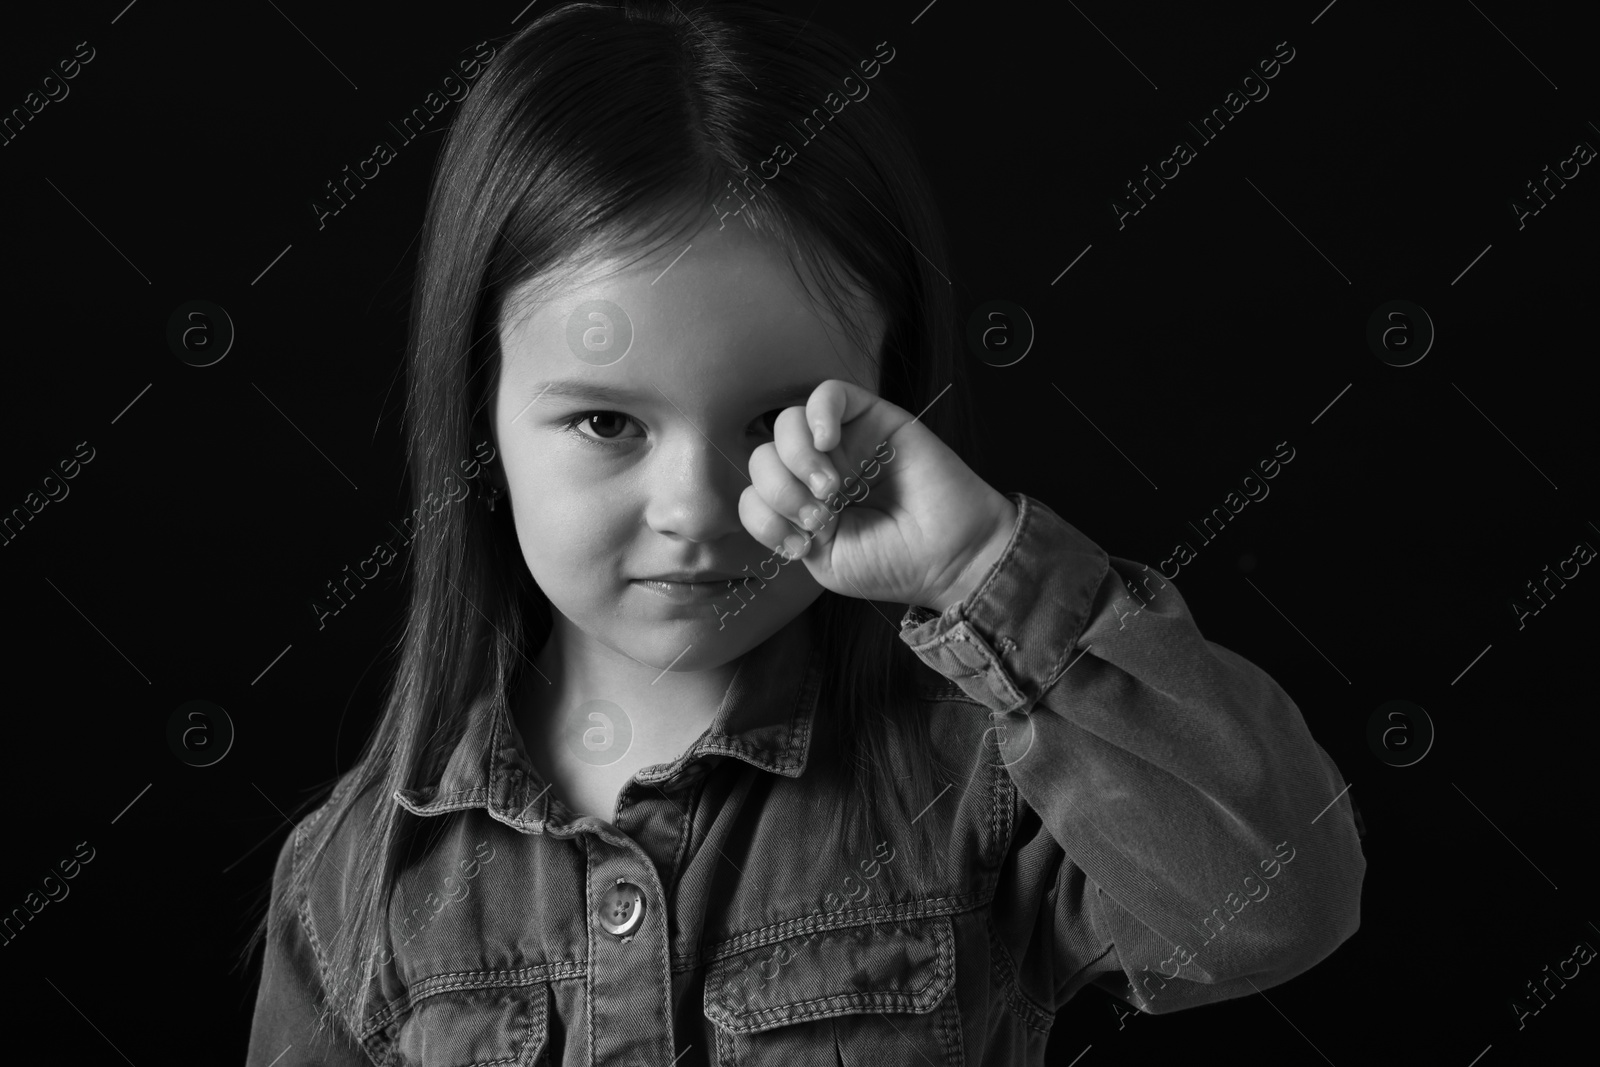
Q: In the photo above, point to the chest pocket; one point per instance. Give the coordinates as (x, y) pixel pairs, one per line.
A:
(857, 997)
(474, 1028)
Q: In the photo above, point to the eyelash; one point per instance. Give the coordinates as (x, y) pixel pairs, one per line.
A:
(571, 426)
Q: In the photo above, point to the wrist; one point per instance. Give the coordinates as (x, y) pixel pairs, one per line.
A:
(978, 567)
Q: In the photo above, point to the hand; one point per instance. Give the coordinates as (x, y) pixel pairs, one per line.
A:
(921, 528)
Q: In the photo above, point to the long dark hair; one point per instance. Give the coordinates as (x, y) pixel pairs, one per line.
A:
(620, 125)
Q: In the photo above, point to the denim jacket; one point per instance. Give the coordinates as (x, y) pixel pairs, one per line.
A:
(1140, 809)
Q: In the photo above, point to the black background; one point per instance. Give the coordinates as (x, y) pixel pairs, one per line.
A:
(1222, 319)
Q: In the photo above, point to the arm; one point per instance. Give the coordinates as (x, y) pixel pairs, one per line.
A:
(290, 998)
(1203, 855)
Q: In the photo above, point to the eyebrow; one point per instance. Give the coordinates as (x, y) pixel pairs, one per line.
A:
(602, 394)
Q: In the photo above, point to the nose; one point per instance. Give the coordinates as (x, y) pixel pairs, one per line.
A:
(694, 492)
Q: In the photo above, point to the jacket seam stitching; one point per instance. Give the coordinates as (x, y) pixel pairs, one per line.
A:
(932, 908)
(1028, 1011)
(456, 981)
(943, 976)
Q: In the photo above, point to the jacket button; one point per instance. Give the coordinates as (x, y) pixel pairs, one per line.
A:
(621, 909)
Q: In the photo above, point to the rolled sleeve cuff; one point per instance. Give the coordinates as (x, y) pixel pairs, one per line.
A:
(1015, 634)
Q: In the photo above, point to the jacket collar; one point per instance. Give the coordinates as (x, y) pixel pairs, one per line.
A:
(765, 719)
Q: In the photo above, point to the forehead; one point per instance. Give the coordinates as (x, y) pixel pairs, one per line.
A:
(713, 310)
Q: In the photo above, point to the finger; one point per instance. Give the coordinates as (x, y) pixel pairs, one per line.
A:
(797, 449)
(832, 404)
(784, 494)
(768, 527)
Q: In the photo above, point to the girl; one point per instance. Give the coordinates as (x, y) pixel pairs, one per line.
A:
(740, 721)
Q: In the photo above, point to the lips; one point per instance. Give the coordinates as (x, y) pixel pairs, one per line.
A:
(702, 590)
(690, 577)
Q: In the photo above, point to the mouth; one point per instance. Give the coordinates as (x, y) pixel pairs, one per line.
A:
(685, 591)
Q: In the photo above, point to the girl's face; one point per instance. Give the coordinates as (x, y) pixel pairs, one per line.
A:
(625, 417)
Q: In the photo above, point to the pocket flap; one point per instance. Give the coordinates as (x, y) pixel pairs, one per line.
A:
(906, 967)
(476, 1027)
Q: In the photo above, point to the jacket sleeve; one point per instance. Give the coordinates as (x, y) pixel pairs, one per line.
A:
(1201, 846)
(282, 1032)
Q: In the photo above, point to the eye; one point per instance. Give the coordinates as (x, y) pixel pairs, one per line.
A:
(601, 419)
(617, 421)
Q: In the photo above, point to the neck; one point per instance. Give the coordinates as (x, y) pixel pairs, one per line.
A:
(657, 713)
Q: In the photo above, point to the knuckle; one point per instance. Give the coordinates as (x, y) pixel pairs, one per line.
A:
(791, 422)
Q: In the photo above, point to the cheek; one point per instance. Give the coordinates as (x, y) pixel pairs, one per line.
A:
(570, 536)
